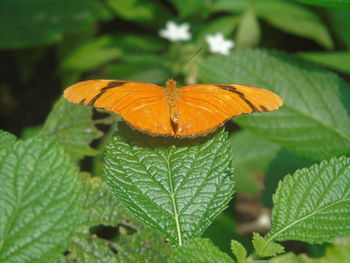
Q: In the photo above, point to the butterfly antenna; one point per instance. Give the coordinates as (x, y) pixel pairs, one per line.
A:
(186, 62)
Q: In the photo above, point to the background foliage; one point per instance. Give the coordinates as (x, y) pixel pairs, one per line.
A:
(293, 163)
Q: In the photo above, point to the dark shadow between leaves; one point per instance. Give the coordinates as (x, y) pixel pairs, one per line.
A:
(284, 163)
(140, 139)
(104, 232)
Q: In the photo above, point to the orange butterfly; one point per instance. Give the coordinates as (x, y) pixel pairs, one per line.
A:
(190, 111)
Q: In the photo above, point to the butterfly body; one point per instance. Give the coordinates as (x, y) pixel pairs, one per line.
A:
(189, 111)
(172, 95)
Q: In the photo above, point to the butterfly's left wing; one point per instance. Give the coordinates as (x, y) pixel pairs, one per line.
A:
(203, 108)
(141, 104)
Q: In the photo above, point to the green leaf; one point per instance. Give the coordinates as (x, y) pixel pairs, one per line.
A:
(175, 186)
(314, 120)
(288, 258)
(151, 75)
(340, 20)
(97, 160)
(134, 10)
(334, 60)
(264, 248)
(102, 208)
(30, 131)
(91, 55)
(328, 3)
(143, 246)
(74, 127)
(308, 26)
(338, 252)
(199, 250)
(100, 205)
(140, 67)
(249, 163)
(248, 32)
(90, 249)
(285, 15)
(224, 25)
(188, 8)
(141, 43)
(39, 201)
(35, 22)
(6, 139)
(313, 205)
(239, 251)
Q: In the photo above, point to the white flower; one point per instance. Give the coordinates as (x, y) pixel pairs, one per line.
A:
(174, 32)
(218, 44)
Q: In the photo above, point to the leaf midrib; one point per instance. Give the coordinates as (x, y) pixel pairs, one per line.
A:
(271, 238)
(172, 196)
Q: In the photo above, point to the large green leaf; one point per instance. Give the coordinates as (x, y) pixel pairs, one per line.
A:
(334, 60)
(135, 10)
(141, 43)
(74, 127)
(199, 250)
(175, 186)
(143, 246)
(101, 208)
(188, 8)
(29, 23)
(91, 55)
(314, 120)
(6, 139)
(39, 201)
(100, 205)
(340, 19)
(285, 15)
(305, 26)
(313, 205)
(248, 32)
(328, 3)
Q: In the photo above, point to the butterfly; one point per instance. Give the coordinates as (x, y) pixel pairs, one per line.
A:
(189, 111)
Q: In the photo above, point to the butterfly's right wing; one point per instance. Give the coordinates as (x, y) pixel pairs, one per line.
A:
(205, 107)
(141, 104)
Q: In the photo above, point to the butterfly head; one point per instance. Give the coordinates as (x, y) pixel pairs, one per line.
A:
(171, 84)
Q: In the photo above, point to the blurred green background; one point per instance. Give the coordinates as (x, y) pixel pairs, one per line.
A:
(46, 45)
